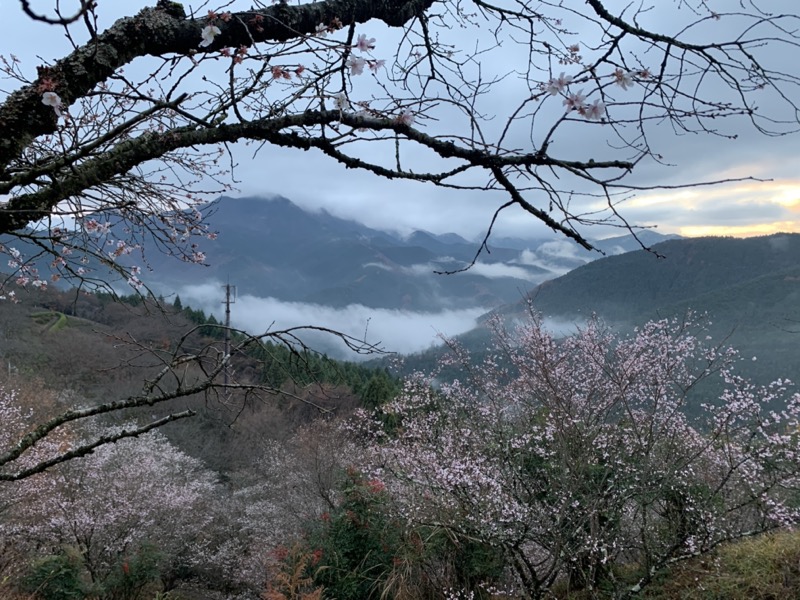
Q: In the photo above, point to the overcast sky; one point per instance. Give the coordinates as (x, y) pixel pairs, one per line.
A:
(316, 182)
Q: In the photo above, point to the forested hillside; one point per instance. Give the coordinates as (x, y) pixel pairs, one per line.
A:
(747, 289)
(728, 276)
(95, 346)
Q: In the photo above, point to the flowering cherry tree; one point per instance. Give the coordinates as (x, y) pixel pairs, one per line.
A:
(575, 456)
(15, 416)
(125, 499)
(109, 149)
(108, 152)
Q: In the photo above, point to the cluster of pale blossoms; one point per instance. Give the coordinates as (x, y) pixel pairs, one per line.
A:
(26, 273)
(357, 63)
(577, 101)
(118, 248)
(210, 31)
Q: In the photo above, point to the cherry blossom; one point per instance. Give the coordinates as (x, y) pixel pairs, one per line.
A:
(25, 270)
(575, 101)
(280, 73)
(623, 79)
(556, 86)
(95, 227)
(54, 100)
(341, 101)
(208, 34)
(356, 64)
(593, 111)
(364, 44)
(406, 118)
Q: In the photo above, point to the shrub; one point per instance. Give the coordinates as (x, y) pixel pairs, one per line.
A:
(57, 577)
(355, 546)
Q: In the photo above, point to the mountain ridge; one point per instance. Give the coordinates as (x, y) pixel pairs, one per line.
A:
(746, 293)
(639, 283)
(273, 248)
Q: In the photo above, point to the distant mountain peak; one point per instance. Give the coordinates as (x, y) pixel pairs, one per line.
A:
(269, 246)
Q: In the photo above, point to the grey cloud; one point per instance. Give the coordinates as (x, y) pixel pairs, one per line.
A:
(489, 270)
(499, 270)
(557, 256)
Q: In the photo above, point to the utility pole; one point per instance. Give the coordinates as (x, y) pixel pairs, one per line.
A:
(230, 298)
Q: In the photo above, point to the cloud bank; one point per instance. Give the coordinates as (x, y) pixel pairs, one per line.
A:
(393, 330)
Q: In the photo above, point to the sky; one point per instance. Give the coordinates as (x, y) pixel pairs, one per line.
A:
(316, 182)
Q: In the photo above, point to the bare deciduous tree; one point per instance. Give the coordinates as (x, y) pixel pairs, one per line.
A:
(183, 371)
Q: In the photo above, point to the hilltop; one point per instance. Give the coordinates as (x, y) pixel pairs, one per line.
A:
(749, 290)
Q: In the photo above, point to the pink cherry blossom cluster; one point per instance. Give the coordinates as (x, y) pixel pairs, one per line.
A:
(111, 503)
(575, 101)
(583, 452)
(356, 64)
(25, 272)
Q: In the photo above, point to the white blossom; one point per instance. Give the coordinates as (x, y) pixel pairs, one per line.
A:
(341, 101)
(356, 65)
(556, 86)
(365, 44)
(208, 34)
(623, 79)
(406, 117)
(574, 101)
(54, 100)
(594, 111)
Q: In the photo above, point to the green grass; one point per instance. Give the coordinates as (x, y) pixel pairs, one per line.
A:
(766, 567)
(43, 317)
(50, 320)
